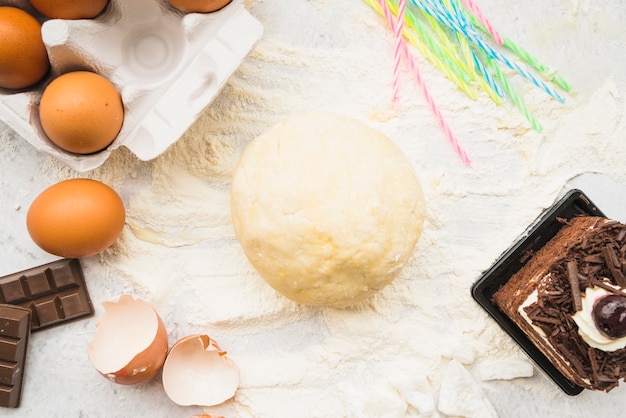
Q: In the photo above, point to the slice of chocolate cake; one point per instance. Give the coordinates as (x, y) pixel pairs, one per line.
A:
(559, 300)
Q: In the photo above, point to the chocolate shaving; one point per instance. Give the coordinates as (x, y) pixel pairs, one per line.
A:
(619, 277)
(608, 287)
(572, 358)
(594, 258)
(554, 292)
(546, 320)
(609, 256)
(553, 312)
(572, 275)
(579, 344)
(604, 361)
(613, 263)
(591, 353)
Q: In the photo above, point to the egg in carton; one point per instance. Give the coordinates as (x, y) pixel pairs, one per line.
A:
(168, 65)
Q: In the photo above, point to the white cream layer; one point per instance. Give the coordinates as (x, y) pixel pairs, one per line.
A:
(586, 326)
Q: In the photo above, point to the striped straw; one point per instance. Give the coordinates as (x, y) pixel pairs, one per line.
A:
(456, 20)
(514, 96)
(418, 78)
(545, 71)
(439, 54)
(473, 7)
(490, 81)
(490, 51)
(399, 27)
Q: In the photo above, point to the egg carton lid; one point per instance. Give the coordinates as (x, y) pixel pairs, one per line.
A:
(166, 110)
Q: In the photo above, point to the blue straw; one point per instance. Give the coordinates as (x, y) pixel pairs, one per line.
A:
(458, 22)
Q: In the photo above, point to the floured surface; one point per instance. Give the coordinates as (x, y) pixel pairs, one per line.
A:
(409, 347)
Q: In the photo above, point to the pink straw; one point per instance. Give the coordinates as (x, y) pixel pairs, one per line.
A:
(399, 27)
(473, 7)
(418, 78)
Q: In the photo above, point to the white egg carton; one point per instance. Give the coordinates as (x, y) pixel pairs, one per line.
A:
(167, 65)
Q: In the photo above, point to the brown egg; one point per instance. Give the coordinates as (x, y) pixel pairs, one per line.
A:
(69, 9)
(23, 56)
(199, 6)
(76, 218)
(81, 112)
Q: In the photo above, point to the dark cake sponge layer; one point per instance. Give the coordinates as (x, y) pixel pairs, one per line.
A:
(584, 245)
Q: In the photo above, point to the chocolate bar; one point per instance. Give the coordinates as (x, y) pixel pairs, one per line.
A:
(14, 333)
(54, 292)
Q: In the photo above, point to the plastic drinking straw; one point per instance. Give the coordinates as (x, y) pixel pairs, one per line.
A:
(397, 50)
(418, 78)
(463, 85)
(444, 41)
(473, 7)
(429, 48)
(428, 8)
(433, 51)
(490, 82)
(446, 52)
(458, 23)
(454, 14)
(497, 55)
(500, 76)
(543, 70)
(481, 73)
(399, 27)
(524, 55)
(515, 98)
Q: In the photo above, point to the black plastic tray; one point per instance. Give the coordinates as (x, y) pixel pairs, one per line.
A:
(575, 202)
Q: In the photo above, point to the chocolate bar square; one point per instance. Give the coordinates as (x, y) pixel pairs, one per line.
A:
(14, 333)
(54, 292)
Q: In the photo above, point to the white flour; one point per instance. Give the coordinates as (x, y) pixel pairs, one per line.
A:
(390, 356)
(181, 249)
(180, 242)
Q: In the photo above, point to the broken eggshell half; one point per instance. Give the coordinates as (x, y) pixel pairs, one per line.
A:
(130, 344)
(198, 372)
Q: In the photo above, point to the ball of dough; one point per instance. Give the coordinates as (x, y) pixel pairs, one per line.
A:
(327, 209)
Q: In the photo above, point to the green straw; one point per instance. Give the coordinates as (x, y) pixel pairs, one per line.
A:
(434, 51)
(443, 65)
(525, 56)
(515, 98)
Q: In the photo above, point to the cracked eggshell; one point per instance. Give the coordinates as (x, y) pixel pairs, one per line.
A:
(130, 344)
(198, 372)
